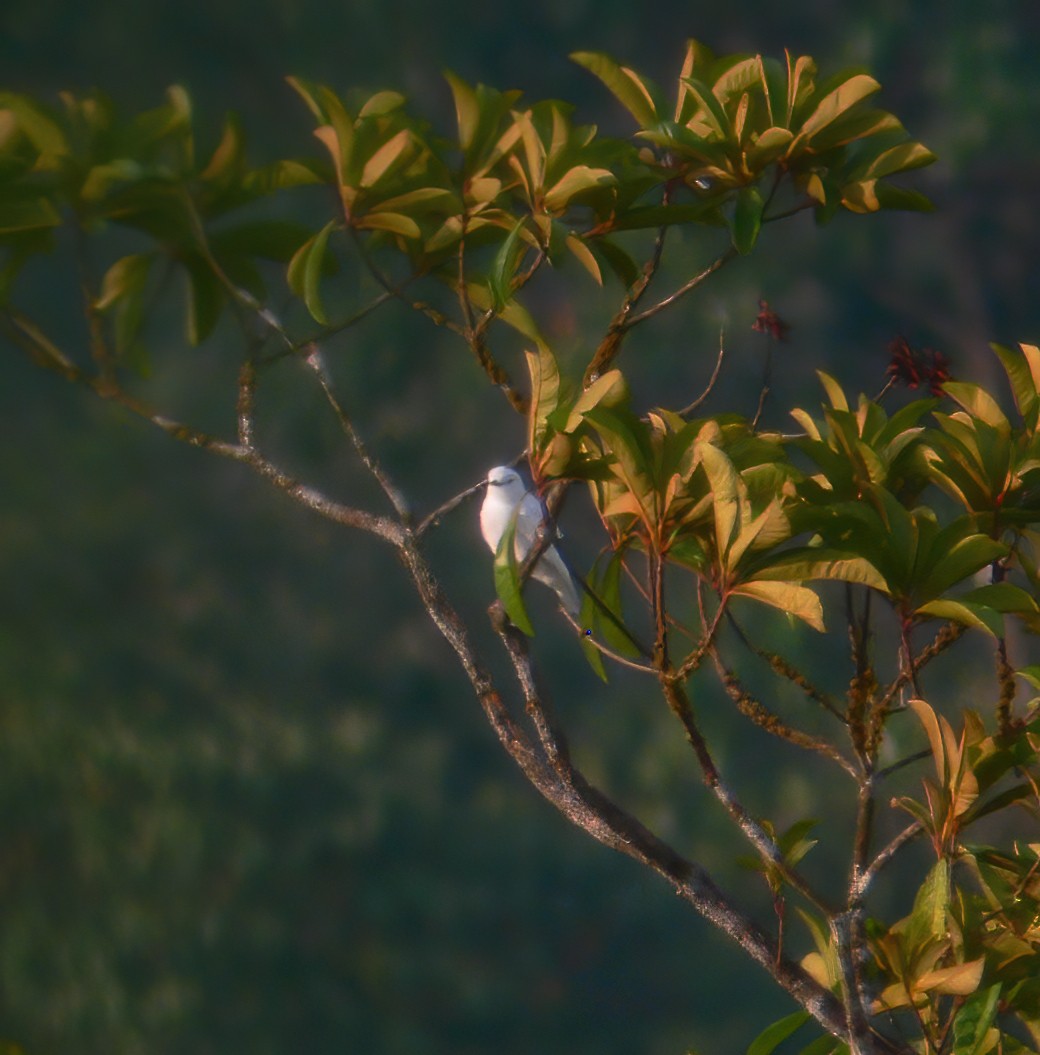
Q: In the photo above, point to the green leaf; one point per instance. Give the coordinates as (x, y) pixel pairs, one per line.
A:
(306, 268)
(809, 563)
(467, 109)
(927, 920)
(507, 578)
(974, 1020)
(619, 260)
(123, 288)
(953, 558)
(396, 152)
(1023, 370)
(503, 267)
(205, 299)
(610, 389)
(977, 616)
(834, 103)
(579, 179)
(585, 256)
(514, 314)
(545, 396)
(890, 197)
(394, 222)
(727, 497)
(767, 147)
(38, 126)
(1031, 674)
(979, 403)
(713, 112)
(227, 162)
(773, 1036)
(624, 438)
(592, 654)
(901, 158)
(833, 390)
(1003, 597)
(626, 85)
(28, 214)
(381, 103)
(747, 219)
(788, 597)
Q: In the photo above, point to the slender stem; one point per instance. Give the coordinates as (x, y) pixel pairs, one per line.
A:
(619, 325)
(758, 713)
(763, 395)
(870, 873)
(712, 381)
(720, 261)
(766, 846)
(392, 492)
(588, 808)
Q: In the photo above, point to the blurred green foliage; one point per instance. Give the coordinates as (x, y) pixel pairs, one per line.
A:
(231, 817)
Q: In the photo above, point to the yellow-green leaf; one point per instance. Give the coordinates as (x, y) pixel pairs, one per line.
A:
(305, 271)
(394, 222)
(584, 255)
(395, 152)
(578, 179)
(788, 597)
(507, 578)
(627, 86)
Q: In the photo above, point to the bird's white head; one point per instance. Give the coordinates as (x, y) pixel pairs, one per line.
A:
(506, 482)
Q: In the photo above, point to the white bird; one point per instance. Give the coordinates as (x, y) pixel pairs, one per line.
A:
(506, 491)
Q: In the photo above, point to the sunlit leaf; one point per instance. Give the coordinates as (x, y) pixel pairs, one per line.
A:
(626, 85)
(394, 222)
(584, 255)
(795, 600)
(960, 979)
(835, 102)
(545, 395)
(978, 402)
(1023, 370)
(977, 616)
(394, 153)
(578, 180)
(306, 269)
(384, 102)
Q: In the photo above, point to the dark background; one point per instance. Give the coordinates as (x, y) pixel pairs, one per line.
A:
(247, 802)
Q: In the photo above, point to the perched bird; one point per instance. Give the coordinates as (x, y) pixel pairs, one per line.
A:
(506, 491)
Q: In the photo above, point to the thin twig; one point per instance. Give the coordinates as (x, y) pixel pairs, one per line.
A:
(643, 668)
(710, 387)
(720, 261)
(392, 492)
(610, 345)
(946, 636)
(431, 520)
(757, 712)
(764, 843)
(786, 670)
(348, 516)
(591, 810)
(763, 395)
(870, 873)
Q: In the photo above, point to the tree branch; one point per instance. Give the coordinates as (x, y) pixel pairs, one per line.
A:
(589, 809)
